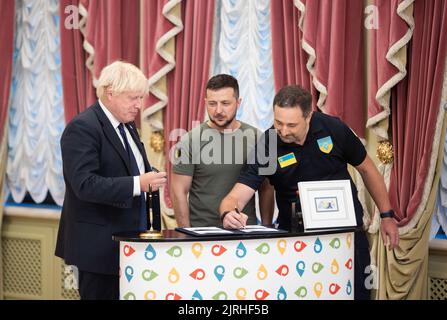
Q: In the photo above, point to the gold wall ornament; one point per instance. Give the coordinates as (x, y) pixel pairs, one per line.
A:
(385, 152)
(157, 141)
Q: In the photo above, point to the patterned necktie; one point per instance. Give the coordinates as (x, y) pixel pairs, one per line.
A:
(135, 172)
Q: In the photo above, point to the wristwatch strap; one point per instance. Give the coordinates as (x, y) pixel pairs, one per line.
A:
(387, 214)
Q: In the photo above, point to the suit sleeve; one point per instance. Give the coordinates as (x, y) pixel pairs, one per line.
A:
(81, 145)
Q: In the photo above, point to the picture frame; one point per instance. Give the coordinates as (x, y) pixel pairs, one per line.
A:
(327, 204)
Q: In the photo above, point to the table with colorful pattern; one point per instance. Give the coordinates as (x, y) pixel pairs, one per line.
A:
(315, 265)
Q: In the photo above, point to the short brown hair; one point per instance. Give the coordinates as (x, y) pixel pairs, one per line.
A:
(221, 81)
(294, 96)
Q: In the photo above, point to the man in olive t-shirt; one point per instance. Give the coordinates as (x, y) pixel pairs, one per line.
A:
(208, 159)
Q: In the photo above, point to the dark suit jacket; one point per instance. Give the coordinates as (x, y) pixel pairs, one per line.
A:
(99, 193)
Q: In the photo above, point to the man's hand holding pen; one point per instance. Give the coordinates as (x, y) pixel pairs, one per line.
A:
(234, 219)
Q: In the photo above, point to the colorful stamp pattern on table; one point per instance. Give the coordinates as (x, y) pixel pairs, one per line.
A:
(311, 267)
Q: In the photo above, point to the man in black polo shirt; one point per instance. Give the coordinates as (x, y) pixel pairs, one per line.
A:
(312, 146)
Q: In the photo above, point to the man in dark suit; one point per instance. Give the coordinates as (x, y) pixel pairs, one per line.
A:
(107, 174)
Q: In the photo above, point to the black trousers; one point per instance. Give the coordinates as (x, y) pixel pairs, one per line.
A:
(362, 274)
(96, 286)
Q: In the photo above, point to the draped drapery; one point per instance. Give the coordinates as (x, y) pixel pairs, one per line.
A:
(7, 17)
(416, 111)
(77, 86)
(244, 50)
(111, 32)
(417, 125)
(186, 84)
(289, 59)
(36, 119)
(161, 22)
(403, 272)
(388, 59)
(387, 66)
(333, 39)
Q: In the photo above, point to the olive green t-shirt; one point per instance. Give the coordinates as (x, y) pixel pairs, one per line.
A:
(214, 160)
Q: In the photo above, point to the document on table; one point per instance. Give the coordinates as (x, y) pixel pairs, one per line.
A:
(208, 230)
(216, 231)
(258, 228)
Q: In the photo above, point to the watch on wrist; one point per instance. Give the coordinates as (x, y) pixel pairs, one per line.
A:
(387, 214)
(222, 217)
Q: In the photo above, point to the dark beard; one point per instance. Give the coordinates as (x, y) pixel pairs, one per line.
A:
(225, 124)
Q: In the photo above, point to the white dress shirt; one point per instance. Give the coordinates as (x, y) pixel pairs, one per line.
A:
(138, 157)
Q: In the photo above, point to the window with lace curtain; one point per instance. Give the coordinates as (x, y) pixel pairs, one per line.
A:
(439, 222)
(36, 113)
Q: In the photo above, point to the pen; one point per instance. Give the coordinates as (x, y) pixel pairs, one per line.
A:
(155, 169)
(237, 211)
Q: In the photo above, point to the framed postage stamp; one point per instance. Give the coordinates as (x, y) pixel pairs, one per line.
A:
(327, 204)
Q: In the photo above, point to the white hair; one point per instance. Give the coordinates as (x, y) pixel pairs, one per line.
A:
(121, 76)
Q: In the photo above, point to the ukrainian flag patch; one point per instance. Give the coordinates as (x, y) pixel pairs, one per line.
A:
(287, 160)
(325, 144)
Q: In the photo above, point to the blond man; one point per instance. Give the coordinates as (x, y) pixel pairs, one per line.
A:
(106, 173)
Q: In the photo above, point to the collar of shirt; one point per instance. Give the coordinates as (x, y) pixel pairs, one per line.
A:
(115, 123)
(138, 157)
(315, 124)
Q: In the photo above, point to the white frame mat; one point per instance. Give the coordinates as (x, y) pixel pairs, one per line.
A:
(327, 204)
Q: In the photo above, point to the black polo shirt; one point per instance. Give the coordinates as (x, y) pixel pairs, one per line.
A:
(329, 146)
